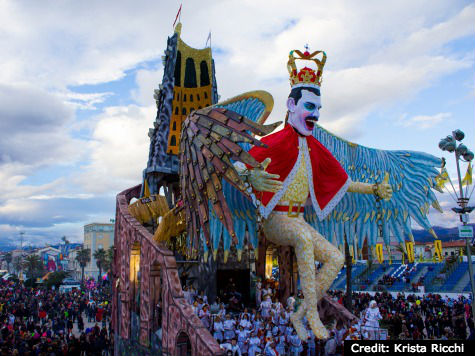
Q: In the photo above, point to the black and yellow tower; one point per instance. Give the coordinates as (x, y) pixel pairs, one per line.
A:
(193, 87)
(188, 84)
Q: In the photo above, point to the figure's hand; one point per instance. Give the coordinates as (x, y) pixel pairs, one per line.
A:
(263, 181)
(384, 189)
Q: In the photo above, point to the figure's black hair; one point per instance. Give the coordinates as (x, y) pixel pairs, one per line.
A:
(296, 93)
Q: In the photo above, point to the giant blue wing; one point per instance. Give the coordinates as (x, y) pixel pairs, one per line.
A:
(255, 106)
(412, 177)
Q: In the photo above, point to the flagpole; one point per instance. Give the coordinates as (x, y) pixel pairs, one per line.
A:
(178, 16)
(463, 217)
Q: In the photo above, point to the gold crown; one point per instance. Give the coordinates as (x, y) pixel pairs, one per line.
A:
(306, 77)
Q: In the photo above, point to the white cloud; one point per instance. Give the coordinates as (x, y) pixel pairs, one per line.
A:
(423, 122)
(34, 127)
(84, 100)
(448, 218)
(147, 81)
(119, 149)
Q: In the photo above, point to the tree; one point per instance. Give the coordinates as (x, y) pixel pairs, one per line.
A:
(8, 260)
(110, 258)
(101, 260)
(33, 266)
(56, 279)
(83, 257)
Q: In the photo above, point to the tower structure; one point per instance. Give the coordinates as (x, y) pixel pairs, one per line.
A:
(189, 83)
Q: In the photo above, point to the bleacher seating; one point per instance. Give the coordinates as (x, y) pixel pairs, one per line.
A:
(431, 274)
(411, 271)
(340, 281)
(468, 287)
(454, 277)
(425, 271)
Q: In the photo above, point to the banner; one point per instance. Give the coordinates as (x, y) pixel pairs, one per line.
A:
(379, 252)
(442, 178)
(467, 180)
(352, 254)
(410, 251)
(438, 249)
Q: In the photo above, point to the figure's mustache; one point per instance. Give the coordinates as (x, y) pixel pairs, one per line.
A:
(311, 118)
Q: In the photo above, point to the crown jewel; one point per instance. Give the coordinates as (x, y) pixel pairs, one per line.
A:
(306, 77)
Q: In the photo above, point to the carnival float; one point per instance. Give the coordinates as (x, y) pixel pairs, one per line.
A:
(222, 190)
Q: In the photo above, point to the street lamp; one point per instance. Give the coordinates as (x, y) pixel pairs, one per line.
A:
(462, 153)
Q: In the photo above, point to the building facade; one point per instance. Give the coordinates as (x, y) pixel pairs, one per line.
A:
(97, 236)
(73, 266)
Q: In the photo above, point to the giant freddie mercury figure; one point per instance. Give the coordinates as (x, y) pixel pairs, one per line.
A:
(227, 174)
(299, 170)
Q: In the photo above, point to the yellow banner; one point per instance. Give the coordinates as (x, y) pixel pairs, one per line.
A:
(442, 178)
(410, 251)
(379, 253)
(438, 249)
(352, 254)
(467, 180)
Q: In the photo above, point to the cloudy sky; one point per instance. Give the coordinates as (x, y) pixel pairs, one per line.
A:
(77, 80)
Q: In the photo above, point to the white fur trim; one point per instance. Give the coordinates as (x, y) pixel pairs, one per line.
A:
(303, 85)
(336, 198)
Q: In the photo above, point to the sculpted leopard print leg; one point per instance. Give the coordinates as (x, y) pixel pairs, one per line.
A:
(332, 259)
(295, 232)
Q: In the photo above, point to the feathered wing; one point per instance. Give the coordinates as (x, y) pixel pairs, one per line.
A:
(412, 177)
(212, 141)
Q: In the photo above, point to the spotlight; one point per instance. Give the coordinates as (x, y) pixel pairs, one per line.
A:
(450, 146)
(442, 144)
(462, 149)
(468, 156)
(459, 135)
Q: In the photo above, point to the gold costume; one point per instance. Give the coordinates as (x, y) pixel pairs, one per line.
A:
(309, 245)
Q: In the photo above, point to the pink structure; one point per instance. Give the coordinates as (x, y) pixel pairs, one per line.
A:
(145, 276)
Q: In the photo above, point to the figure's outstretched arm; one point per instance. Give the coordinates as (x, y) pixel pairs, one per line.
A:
(382, 190)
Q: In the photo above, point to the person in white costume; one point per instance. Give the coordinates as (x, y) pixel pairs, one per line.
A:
(371, 319)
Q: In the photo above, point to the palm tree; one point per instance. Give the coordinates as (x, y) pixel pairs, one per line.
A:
(110, 258)
(33, 266)
(8, 260)
(17, 262)
(101, 260)
(83, 257)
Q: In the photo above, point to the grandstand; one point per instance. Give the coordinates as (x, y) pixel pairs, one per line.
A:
(340, 281)
(435, 277)
(454, 278)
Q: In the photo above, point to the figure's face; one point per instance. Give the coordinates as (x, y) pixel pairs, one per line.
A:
(304, 114)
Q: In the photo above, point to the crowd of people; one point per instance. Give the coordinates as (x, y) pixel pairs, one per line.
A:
(266, 328)
(409, 317)
(387, 280)
(41, 322)
(37, 321)
(406, 276)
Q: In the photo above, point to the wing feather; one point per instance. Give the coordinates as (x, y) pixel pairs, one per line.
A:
(412, 177)
(210, 145)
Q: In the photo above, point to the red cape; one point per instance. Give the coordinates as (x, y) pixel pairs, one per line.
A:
(328, 183)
